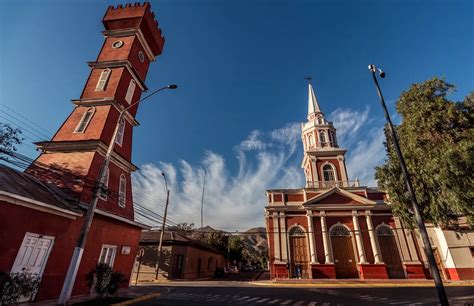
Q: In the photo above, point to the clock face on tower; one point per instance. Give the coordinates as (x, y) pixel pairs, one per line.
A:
(141, 57)
(117, 44)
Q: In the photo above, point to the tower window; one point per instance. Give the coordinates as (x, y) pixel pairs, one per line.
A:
(120, 132)
(86, 118)
(104, 78)
(130, 91)
(310, 140)
(122, 191)
(328, 173)
(104, 191)
(322, 137)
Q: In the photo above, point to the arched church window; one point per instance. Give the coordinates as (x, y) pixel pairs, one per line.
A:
(122, 191)
(296, 232)
(328, 173)
(86, 118)
(130, 91)
(103, 79)
(384, 231)
(340, 231)
(310, 140)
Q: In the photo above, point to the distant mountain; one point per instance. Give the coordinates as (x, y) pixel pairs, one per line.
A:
(256, 240)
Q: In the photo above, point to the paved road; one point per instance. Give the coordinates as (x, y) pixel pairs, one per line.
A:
(241, 294)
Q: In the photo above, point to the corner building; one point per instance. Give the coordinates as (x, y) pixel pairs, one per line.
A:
(42, 209)
(333, 227)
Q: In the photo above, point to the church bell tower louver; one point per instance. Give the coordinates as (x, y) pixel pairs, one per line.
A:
(133, 40)
(323, 162)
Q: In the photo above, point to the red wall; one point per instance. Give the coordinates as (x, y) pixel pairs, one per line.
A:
(16, 220)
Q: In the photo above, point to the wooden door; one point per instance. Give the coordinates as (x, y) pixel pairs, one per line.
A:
(177, 269)
(343, 253)
(32, 256)
(299, 255)
(390, 252)
(439, 264)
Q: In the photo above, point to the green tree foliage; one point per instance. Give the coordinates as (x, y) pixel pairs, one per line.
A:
(9, 138)
(105, 281)
(14, 286)
(437, 141)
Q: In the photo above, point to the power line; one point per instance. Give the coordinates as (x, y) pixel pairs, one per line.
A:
(25, 124)
(12, 110)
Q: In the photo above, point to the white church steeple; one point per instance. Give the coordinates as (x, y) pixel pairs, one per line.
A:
(323, 160)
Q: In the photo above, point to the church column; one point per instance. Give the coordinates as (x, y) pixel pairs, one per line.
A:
(373, 242)
(358, 236)
(312, 244)
(284, 240)
(327, 251)
(276, 237)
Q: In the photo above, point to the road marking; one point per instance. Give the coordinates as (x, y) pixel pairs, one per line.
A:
(243, 298)
(253, 299)
(326, 304)
(312, 304)
(286, 302)
(274, 301)
(299, 303)
(262, 300)
(398, 303)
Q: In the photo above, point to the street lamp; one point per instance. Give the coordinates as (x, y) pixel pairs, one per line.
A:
(98, 186)
(162, 234)
(443, 299)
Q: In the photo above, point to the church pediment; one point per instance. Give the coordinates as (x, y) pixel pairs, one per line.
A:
(338, 196)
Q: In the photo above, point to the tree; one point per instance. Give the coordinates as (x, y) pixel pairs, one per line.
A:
(9, 138)
(183, 228)
(437, 141)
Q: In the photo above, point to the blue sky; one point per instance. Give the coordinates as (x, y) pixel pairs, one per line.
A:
(240, 67)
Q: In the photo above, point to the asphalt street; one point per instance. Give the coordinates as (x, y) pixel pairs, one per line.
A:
(236, 293)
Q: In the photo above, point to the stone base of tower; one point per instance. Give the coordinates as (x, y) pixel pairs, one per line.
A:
(373, 271)
(415, 270)
(323, 271)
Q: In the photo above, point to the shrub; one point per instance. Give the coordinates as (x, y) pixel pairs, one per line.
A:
(13, 286)
(105, 281)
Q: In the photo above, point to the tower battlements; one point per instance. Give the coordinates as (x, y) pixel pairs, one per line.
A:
(122, 20)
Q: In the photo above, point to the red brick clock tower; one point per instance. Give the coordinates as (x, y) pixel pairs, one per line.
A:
(117, 79)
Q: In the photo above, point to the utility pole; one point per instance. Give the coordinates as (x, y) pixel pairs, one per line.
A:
(162, 234)
(443, 299)
(202, 198)
(98, 186)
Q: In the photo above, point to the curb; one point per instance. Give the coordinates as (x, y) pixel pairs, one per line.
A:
(138, 299)
(356, 285)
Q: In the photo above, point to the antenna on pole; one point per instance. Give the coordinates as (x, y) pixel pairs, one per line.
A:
(308, 78)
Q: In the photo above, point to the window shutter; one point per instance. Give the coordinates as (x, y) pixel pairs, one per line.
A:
(120, 132)
(86, 118)
(122, 191)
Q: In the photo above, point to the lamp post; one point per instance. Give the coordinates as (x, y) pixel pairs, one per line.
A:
(99, 183)
(162, 234)
(443, 299)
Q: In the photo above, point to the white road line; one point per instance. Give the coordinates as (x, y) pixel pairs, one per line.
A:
(253, 299)
(398, 303)
(286, 302)
(299, 303)
(326, 304)
(312, 304)
(274, 301)
(243, 298)
(262, 300)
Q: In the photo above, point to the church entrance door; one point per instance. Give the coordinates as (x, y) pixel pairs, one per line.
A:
(390, 253)
(298, 252)
(343, 253)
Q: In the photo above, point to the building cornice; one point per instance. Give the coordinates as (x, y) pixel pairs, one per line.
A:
(85, 146)
(120, 63)
(119, 218)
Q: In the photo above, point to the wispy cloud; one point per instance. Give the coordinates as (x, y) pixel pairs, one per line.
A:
(348, 122)
(232, 201)
(266, 159)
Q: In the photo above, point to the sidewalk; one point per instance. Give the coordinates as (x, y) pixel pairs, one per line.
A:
(359, 283)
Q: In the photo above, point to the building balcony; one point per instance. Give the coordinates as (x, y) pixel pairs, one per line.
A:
(331, 184)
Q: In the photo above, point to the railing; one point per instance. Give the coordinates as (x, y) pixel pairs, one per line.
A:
(328, 185)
